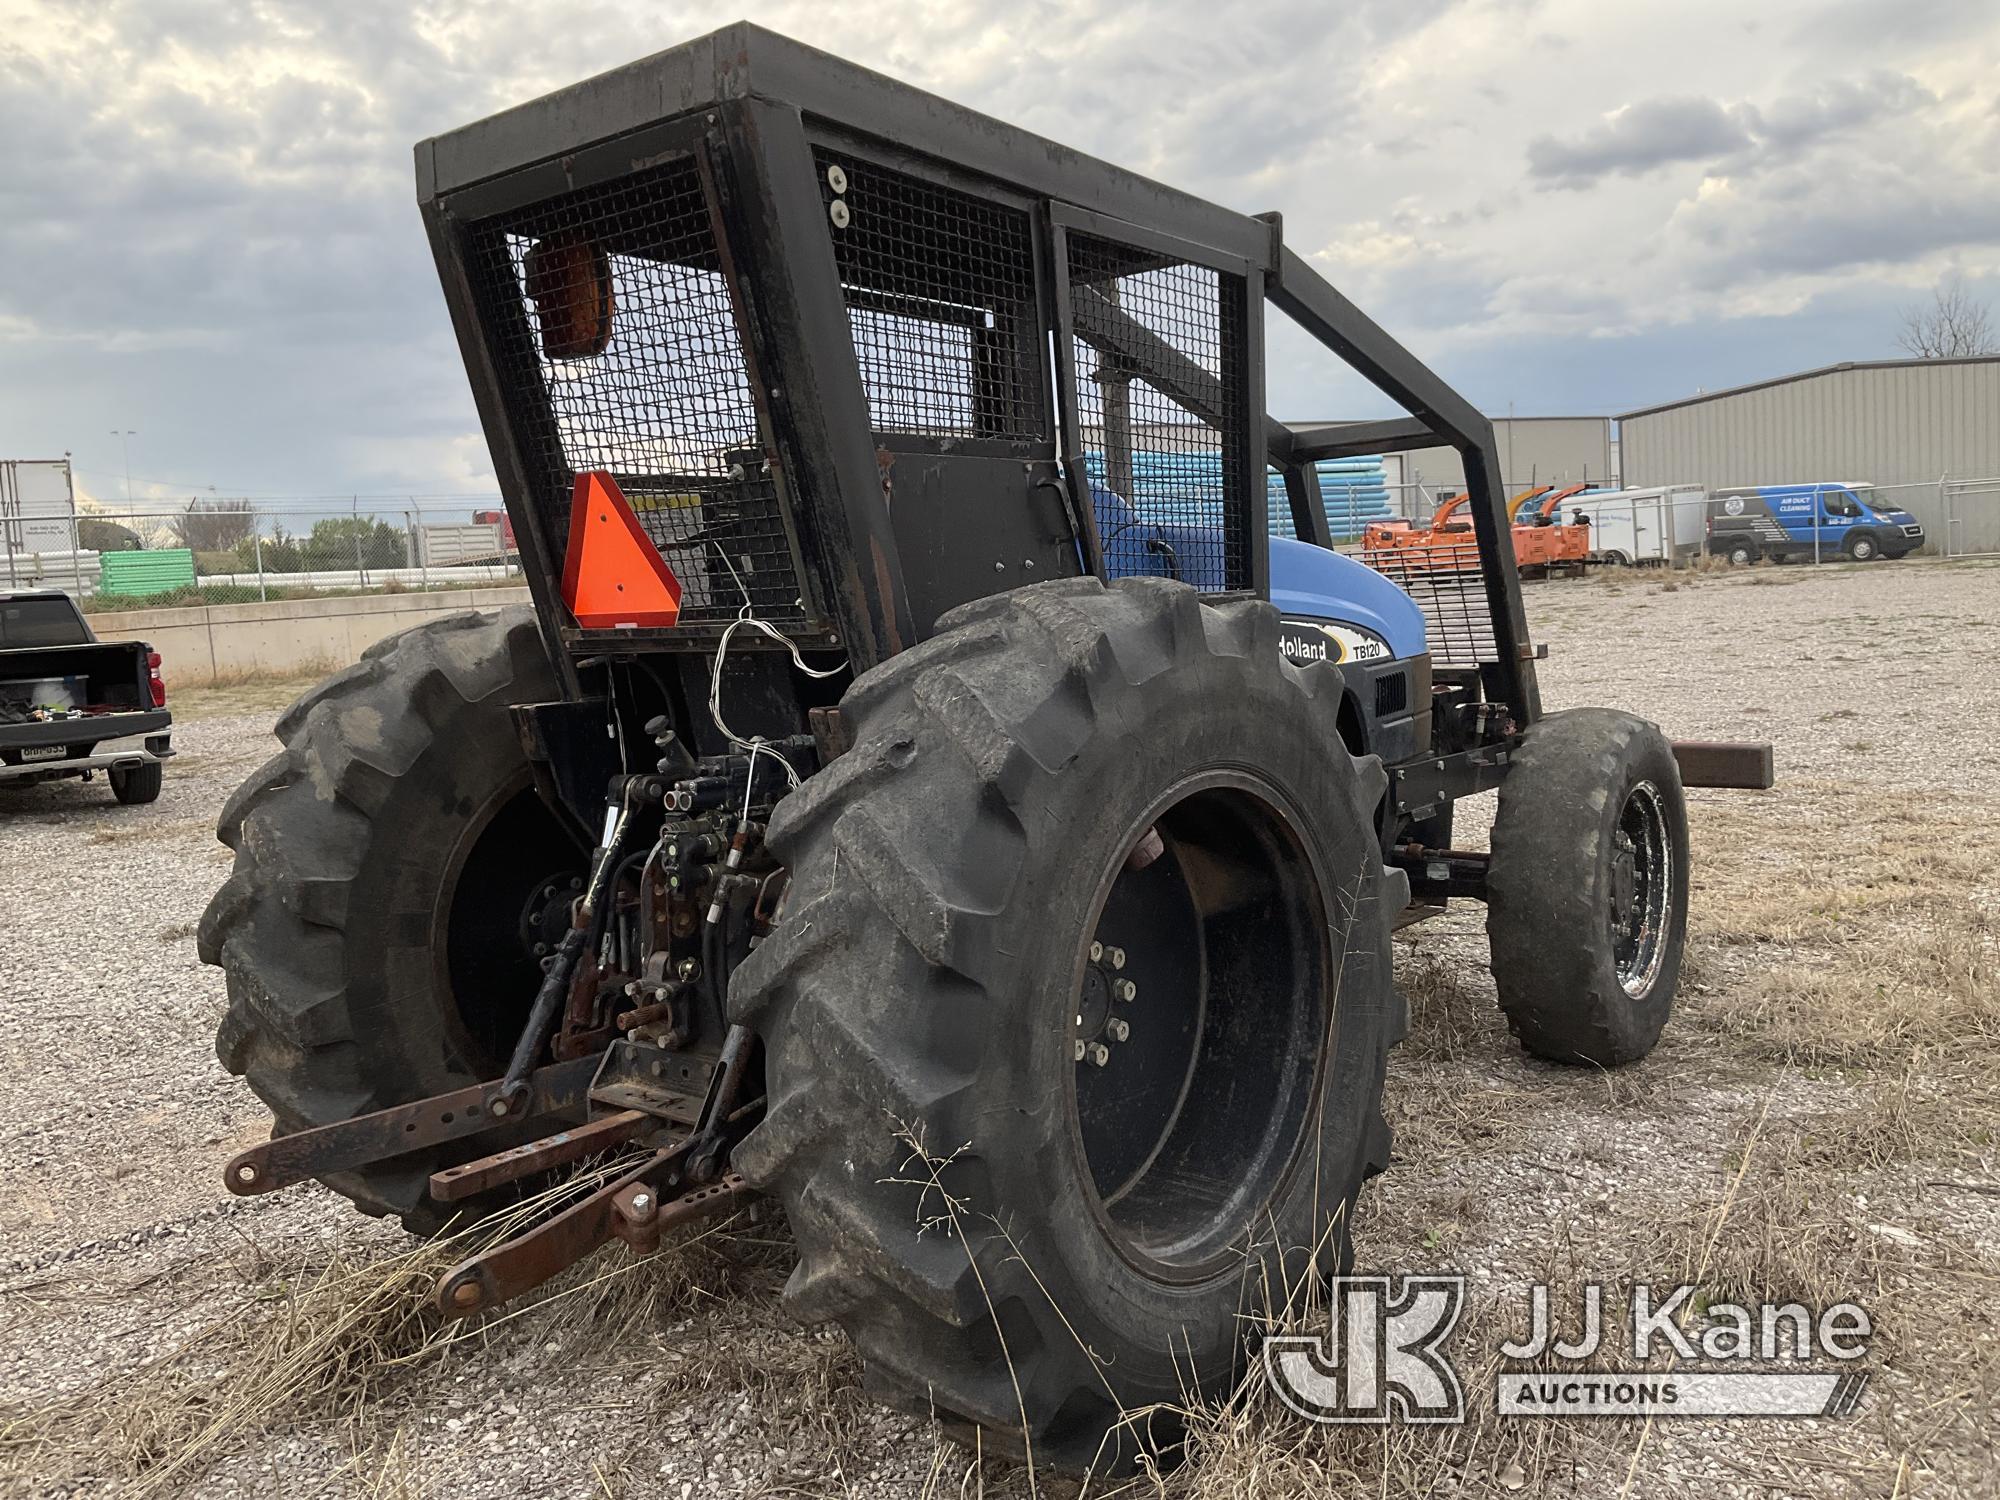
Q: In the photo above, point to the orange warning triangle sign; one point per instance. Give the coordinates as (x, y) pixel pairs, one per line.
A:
(613, 576)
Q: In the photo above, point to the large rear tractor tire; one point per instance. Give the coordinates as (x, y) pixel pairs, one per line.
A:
(1075, 1024)
(1586, 894)
(375, 930)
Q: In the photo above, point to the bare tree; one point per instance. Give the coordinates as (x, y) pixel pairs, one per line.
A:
(1950, 326)
(214, 525)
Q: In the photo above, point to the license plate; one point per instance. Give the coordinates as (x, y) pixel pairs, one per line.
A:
(45, 752)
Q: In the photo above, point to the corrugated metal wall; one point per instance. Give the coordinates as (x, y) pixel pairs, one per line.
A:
(1545, 450)
(1549, 450)
(1904, 424)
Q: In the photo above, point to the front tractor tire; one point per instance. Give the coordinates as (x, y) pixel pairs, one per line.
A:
(1076, 1021)
(370, 932)
(1587, 889)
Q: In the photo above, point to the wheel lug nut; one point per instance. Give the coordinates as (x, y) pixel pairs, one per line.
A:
(1117, 1029)
(1097, 953)
(1125, 989)
(1117, 957)
(1081, 1049)
(1099, 1054)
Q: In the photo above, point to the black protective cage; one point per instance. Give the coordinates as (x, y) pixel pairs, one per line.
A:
(857, 355)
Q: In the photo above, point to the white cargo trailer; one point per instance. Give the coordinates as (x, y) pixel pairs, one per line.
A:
(1656, 525)
(37, 507)
(447, 546)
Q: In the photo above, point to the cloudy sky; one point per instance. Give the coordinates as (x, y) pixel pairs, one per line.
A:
(208, 233)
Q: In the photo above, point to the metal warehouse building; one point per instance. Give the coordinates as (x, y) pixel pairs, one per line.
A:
(1533, 450)
(1929, 426)
(1544, 450)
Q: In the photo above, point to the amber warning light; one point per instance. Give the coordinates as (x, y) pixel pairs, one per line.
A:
(613, 576)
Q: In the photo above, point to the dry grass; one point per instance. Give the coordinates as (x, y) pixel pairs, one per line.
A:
(147, 828)
(244, 692)
(1454, 1014)
(1842, 964)
(1873, 955)
(330, 1343)
(1887, 942)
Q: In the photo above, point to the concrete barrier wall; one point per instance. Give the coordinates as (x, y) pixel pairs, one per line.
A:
(200, 643)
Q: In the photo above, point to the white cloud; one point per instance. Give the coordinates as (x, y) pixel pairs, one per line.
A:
(207, 214)
(1636, 138)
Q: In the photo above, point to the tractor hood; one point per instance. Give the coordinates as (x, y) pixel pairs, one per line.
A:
(1308, 582)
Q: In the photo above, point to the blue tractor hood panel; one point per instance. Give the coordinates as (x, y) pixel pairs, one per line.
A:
(1308, 582)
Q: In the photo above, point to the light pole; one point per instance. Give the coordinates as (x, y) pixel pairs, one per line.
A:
(125, 447)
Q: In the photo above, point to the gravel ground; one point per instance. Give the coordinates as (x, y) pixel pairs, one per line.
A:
(118, 1244)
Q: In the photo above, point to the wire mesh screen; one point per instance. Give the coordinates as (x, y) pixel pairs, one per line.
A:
(1442, 574)
(617, 339)
(1160, 397)
(940, 293)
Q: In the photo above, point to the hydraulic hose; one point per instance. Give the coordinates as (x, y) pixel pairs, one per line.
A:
(562, 964)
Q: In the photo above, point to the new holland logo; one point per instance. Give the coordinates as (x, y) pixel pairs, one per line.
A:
(1304, 642)
(1303, 645)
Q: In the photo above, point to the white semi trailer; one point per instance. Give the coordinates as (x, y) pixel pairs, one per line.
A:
(1656, 525)
(37, 508)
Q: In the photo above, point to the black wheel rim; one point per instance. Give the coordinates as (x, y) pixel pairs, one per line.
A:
(1641, 898)
(507, 884)
(1198, 1024)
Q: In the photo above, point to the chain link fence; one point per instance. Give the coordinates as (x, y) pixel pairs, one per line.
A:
(1669, 524)
(223, 551)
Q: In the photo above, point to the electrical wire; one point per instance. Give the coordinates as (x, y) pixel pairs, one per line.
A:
(746, 617)
(750, 783)
(617, 724)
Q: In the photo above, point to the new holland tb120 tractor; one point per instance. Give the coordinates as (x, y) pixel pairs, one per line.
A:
(920, 780)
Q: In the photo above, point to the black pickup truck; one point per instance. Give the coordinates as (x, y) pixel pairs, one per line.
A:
(66, 696)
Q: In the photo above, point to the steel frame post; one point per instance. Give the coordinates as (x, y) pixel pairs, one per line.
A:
(1350, 333)
(504, 440)
(1308, 502)
(767, 188)
(746, 94)
(1253, 447)
(1069, 420)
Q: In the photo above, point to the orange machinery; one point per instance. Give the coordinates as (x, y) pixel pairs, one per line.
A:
(1445, 544)
(1544, 542)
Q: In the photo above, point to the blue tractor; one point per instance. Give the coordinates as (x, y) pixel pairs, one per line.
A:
(922, 793)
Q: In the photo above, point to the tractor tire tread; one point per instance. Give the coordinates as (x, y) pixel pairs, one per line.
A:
(977, 718)
(299, 828)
